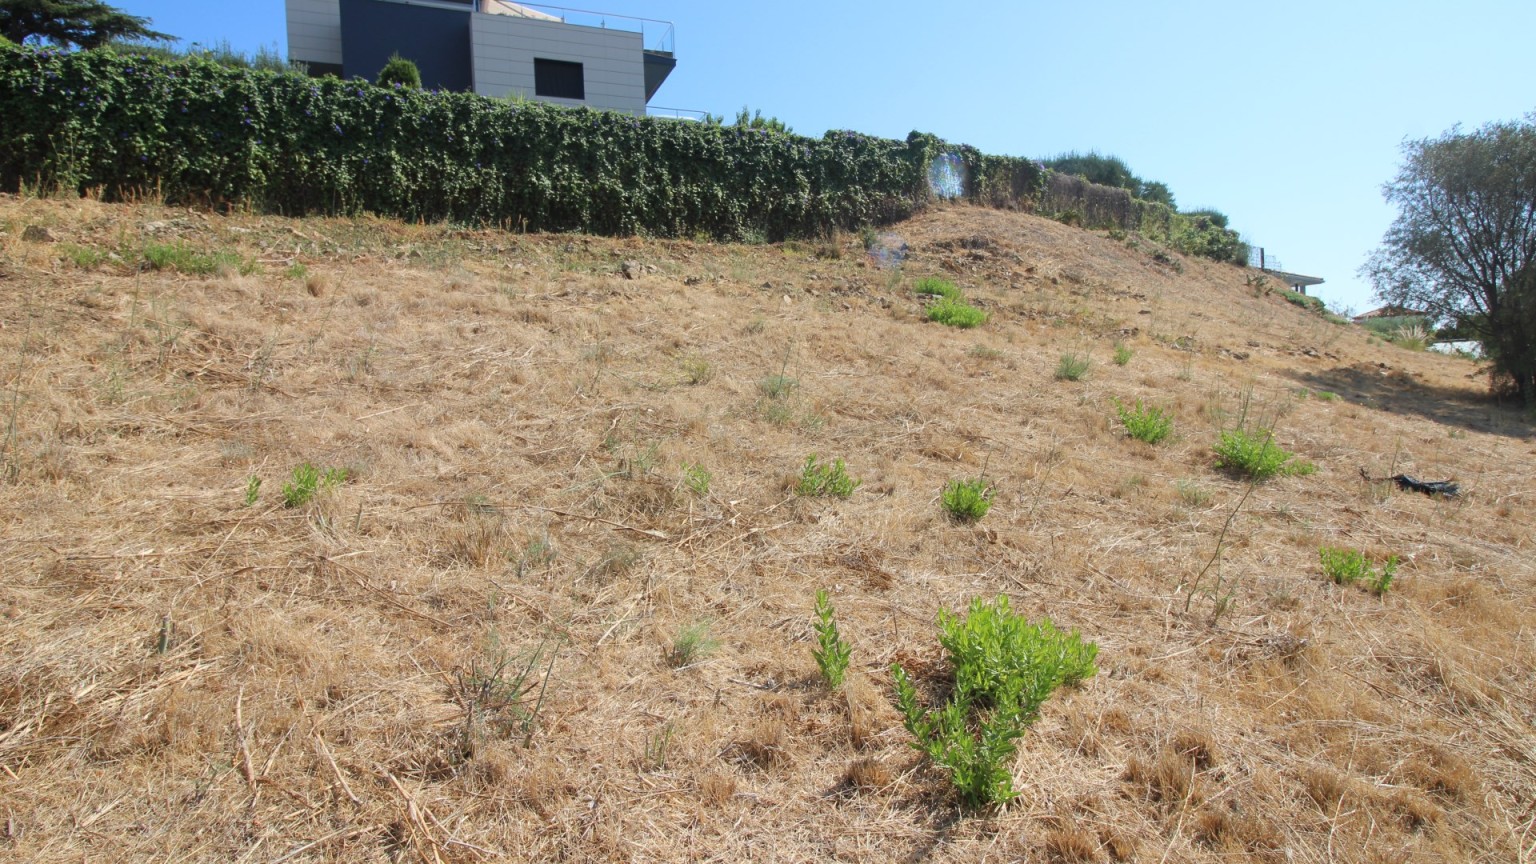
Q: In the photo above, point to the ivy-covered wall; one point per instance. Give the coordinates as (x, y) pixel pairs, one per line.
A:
(190, 130)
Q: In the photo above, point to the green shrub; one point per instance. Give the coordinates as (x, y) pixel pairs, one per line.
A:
(1122, 353)
(252, 490)
(1145, 424)
(1348, 566)
(831, 652)
(956, 313)
(936, 287)
(1072, 366)
(399, 72)
(1004, 670)
(692, 644)
(184, 259)
(1305, 301)
(1256, 455)
(825, 479)
(697, 478)
(308, 481)
(967, 500)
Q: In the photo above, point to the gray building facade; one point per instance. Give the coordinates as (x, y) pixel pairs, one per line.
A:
(491, 47)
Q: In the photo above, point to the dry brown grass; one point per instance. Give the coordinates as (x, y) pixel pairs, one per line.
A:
(185, 678)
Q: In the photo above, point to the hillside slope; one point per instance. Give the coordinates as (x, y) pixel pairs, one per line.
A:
(188, 677)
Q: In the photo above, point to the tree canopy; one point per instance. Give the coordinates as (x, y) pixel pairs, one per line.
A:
(85, 23)
(1463, 246)
(1110, 171)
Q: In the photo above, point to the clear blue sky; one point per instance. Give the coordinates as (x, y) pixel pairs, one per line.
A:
(1286, 116)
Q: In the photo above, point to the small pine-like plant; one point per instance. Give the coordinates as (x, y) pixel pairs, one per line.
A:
(831, 652)
(818, 479)
(692, 644)
(936, 287)
(252, 490)
(1072, 366)
(956, 313)
(1256, 456)
(1005, 668)
(1149, 424)
(308, 481)
(967, 500)
(399, 71)
(1123, 353)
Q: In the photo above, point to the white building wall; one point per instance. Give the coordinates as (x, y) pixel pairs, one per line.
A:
(503, 48)
(314, 30)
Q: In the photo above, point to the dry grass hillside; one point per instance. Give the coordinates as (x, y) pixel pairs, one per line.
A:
(558, 465)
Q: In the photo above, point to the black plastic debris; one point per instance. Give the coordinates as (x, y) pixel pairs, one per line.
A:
(1442, 488)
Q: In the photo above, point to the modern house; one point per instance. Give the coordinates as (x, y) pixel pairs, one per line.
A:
(490, 47)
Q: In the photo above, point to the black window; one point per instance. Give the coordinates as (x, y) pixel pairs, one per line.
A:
(559, 79)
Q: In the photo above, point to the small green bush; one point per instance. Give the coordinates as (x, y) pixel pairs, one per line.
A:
(1123, 353)
(831, 652)
(308, 481)
(956, 313)
(1149, 424)
(1005, 668)
(252, 490)
(697, 479)
(184, 259)
(1256, 456)
(1348, 566)
(1072, 366)
(692, 644)
(967, 500)
(399, 71)
(825, 479)
(935, 287)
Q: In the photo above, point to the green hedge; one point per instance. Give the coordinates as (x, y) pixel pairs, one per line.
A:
(189, 130)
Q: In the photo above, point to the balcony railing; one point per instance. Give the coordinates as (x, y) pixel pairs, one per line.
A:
(658, 36)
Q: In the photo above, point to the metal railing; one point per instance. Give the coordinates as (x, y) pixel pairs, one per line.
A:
(659, 36)
(676, 113)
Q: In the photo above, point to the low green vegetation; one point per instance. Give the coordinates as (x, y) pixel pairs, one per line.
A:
(1256, 456)
(967, 500)
(1004, 669)
(818, 479)
(831, 652)
(184, 259)
(1072, 366)
(697, 479)
(252, 490)
(307, 482)
(1145, 423)
(933, 286)
(692, 644)
(1123, 354)
(956, 313)
(1349, 566)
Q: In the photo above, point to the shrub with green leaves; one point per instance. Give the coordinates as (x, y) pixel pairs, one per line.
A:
(1348, 566)
(967, 500)
(1072, 366)
(1150, 424)
(692, 644)
(399, 72)
(820, 478)
(1005, 668)
(831, 652)
(308, 481)
(1123, 353)
(1256, 456)
(956, 313)
(932, 286)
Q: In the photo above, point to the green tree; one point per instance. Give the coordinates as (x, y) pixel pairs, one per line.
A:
(755, 120)
(399, 71)
(1463, 246)
(86, 23)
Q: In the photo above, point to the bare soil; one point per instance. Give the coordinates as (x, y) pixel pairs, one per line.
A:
(188, 677)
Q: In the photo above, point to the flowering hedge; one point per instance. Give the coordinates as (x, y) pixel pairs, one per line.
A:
(191, 130)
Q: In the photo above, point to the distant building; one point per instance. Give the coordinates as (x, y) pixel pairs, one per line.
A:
(490, 47)
(1390, 312)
